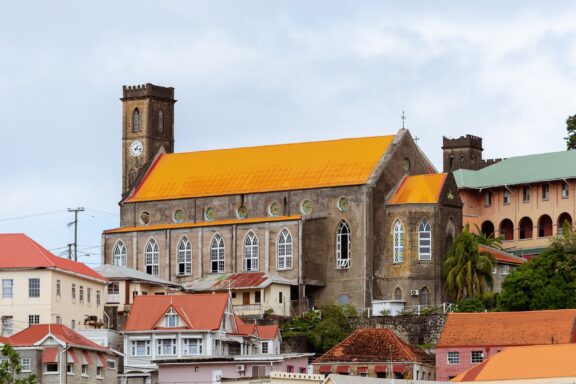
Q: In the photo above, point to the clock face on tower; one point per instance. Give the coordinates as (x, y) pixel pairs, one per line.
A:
(136, 148)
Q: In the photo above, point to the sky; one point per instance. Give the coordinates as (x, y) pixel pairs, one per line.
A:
(263, 72)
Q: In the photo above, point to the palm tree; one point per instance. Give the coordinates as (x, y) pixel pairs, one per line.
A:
(490, 240)
(468, 271)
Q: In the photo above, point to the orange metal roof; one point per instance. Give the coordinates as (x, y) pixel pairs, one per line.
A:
(19, 251)
(508, 328)
(262, 169)
(199, 311)
(203, 224)
(532, 362)
(419, 189)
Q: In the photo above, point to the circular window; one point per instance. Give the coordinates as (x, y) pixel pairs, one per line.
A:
(343, 299)
(178, 216)
(241, 212)
(274, 209)
(343, 203)
(306, 207)
(209, 214)
(145, 217)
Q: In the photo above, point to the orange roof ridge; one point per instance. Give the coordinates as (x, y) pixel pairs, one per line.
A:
(419, 189)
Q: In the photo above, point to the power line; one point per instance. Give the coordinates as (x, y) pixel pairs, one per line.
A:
(33, 215)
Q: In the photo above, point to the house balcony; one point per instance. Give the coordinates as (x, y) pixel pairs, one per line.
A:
(249, 309)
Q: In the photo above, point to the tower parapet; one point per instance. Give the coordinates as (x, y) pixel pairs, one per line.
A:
(147, 90)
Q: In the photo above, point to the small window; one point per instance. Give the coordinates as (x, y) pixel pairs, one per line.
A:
(58, 288)
(98, 301)
(504, 270)
(525, 194)
(84, 369)
(89, 294)
(7, 288)
(477, 356)
(98, 371)
(160, 121)
(284, 250)
(453, 358)
(398, 294)
(343, 246)
(114, 292)
(70, 368)
(119, 254)
(545, 191)
(81, 294)
(488, 199)
(166, 346)
(33, 320)
(565, 191)
(112, 364)
(73, 324)
(73, 291)
(58, 319)
(250, 252)
(280, 297)
(264, 347)
(140, 347)
(507, 197)
(152, 258)
(257, 297)
(192, 347)
(34, 287)
(26, 364)
(136, 120)
(51, 367)
(424, 241)
(398, 242)
(7, 325)
(184, 257)
(171, 320)
(217, 254)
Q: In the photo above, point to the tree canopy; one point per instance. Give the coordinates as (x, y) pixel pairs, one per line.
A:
(571, 129)
(468, 271)
(11, 366)
(547, 281)
(323, 329)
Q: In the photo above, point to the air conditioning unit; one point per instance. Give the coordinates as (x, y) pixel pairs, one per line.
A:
(414, 292)
(240, 368)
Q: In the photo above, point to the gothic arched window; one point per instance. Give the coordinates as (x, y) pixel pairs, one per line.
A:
(217, 254)
(398, 242)
(398, 294)
(160, 121)
(424, 296)
(250, 252)
(424, 240)
(343, 246)
(119, 254)
(151, 253)
(284, 249)
(136, 120)
(184, 257)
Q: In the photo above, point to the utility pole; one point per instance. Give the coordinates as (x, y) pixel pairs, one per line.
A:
(70, 251)
(75, 222)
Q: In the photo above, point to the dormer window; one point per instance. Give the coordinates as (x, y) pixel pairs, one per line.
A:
(171, 319)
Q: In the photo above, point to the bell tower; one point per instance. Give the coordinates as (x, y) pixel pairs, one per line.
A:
(147, 126)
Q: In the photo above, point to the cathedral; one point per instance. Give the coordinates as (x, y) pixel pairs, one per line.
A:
(342, 221)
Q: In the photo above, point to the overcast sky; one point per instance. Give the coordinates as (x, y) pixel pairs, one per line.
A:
(263, 72)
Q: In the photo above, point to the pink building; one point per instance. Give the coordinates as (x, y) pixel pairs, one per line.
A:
(470, 338)
(524, 200)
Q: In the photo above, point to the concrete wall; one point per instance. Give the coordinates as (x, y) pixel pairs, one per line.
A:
(50, 305)
(445, 371)
(207, 371)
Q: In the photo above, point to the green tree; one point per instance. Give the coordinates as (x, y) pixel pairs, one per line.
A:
(571, 128)
(11, 366)
(545, 282)
(490, 240)
(470, 305)
(324, 328)
(467, 270)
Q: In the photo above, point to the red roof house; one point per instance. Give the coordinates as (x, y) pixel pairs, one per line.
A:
(469, 338)
(376, 352)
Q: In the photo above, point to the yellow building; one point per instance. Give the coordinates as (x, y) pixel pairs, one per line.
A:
(39, 287)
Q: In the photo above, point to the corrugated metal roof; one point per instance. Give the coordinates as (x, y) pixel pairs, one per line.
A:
(35, 333)
(262, 169)
(114, 272)
(502, 256)
(532, 362)
(419, 189)
(242, 280)
(520, 170)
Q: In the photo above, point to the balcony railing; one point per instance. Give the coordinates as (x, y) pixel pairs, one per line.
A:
(113, 298)
(248, 309)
